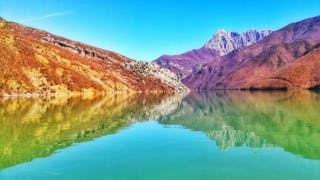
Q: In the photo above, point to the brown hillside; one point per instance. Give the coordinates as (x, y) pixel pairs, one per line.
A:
(37, 62)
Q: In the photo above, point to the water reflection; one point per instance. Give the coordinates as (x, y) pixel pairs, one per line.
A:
(290, 120)
(31, 127)
(35, 127)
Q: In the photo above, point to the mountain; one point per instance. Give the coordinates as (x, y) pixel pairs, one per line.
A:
(225, 42)
(222, 43)
(304, 72)
(35, 62)
(186, 63)
(286, 59)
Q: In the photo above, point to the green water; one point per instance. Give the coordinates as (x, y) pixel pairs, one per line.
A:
(214, 135)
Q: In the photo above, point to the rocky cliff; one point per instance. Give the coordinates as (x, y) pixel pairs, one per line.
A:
(225, 42)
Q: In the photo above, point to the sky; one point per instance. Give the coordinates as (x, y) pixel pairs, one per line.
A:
(147, 29)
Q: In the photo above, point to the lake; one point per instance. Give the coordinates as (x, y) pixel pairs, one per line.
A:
(211, 135)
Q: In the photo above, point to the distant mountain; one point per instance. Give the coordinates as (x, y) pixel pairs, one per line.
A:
(222, 43)
(287, 58)
(35, 62)
(225, 42)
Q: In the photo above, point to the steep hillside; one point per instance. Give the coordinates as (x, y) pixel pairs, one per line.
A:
(34, 62)
(189, 62)
(302, 73)
(246, 68)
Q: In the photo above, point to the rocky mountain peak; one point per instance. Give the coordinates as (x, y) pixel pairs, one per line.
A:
(225, 41)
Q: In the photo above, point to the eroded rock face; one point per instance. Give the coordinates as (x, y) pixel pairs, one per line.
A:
(77, 48)
(154, 70)
(252, 67)
(225, 42)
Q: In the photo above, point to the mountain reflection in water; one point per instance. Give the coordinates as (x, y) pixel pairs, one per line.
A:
(290, 120)
(33, 127)
(37, 127)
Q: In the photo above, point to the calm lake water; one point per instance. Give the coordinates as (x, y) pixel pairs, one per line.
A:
(213, 135)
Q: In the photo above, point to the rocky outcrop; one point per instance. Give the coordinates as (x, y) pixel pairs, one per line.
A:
(225, 42)
(75, 47)
(154, 70)
(258, 66)
(222, 43)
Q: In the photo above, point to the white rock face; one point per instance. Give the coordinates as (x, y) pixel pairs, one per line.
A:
(225, 42)
(155, 70)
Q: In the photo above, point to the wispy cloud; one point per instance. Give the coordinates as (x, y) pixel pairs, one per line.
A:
(47, 16)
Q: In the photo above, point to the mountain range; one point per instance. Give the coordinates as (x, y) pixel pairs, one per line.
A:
(286, 59)
(222, 43)
(35, 62)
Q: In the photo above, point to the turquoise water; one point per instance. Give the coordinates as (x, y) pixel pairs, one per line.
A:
(202, 136)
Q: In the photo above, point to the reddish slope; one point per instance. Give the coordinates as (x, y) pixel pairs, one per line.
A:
(188, 62)
(236, 70)
(222, 42)
(261, 66)
(302, 73)
(36, 62)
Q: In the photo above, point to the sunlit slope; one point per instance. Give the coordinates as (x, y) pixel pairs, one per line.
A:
(37, 62)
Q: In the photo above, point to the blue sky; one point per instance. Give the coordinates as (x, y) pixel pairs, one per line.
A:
(147, 29)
